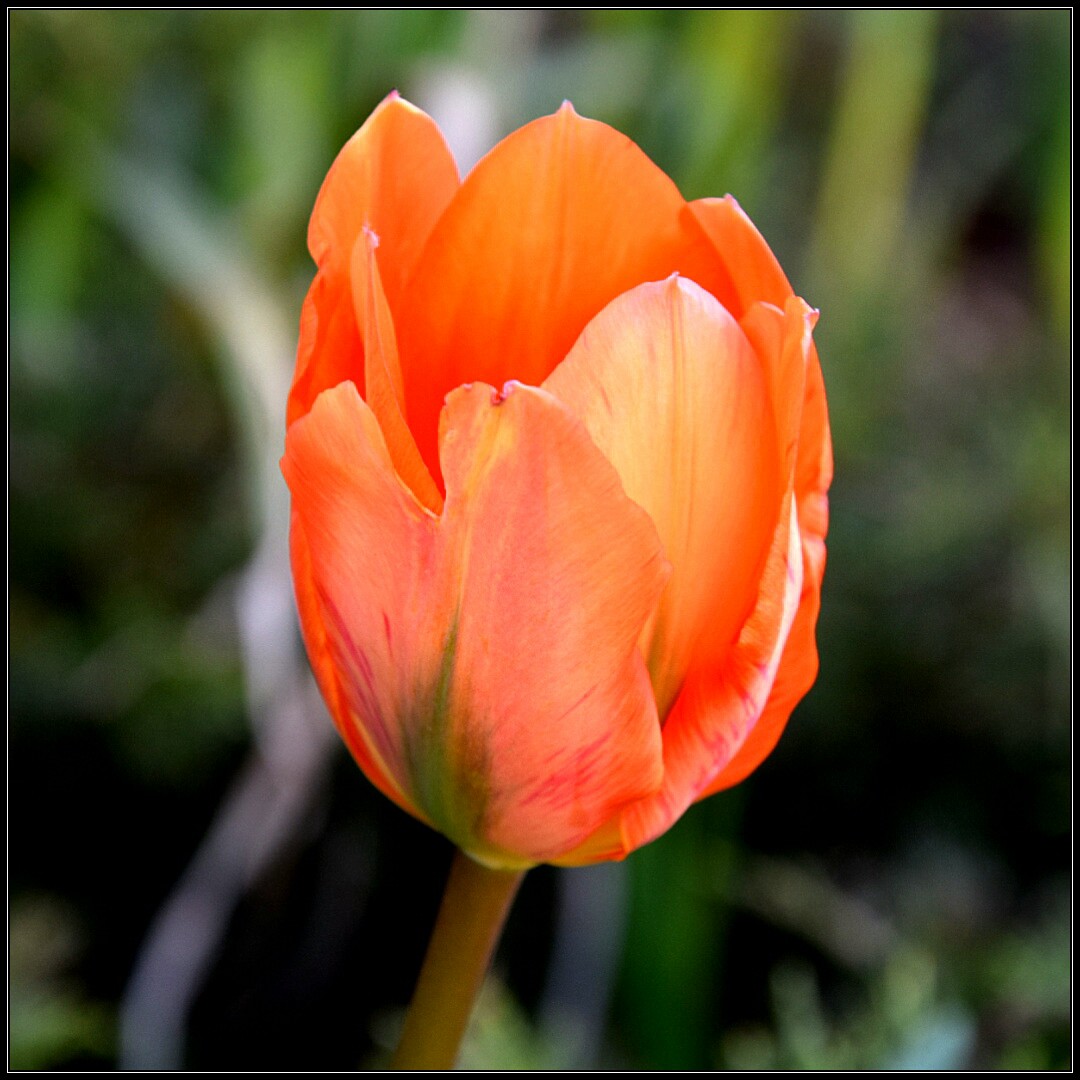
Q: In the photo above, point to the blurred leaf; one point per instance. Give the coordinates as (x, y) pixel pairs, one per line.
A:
(734, 63)
(1055, 226)
(49, 1032)
(50, 1023)
(500, 1036)
(50, 238)
(675, 938)
(872, 148)
(857, 272)
(942, 1042)
(284, 134)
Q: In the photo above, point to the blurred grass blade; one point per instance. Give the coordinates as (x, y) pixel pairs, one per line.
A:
(735, 61)
(871, 154)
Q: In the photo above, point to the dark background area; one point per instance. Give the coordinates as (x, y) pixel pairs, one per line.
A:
(199, 875)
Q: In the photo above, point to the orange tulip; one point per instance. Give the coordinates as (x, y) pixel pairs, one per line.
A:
(558, 451)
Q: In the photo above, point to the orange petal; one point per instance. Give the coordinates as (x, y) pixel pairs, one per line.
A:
(753, 268)
(720, 705)
(560, 218)
(782, 339)
(673, 394)
(395, 175)
(329, 351)
(382, 372)
(604, 845)
(320, 650)
(799, 665)
(488, 657)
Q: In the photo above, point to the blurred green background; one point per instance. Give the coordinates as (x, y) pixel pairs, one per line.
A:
(199, 875)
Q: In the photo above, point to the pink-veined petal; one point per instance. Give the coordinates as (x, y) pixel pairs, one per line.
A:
(487, 657)
(321, 652)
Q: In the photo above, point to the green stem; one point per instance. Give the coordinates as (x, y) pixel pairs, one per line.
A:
(473, 911)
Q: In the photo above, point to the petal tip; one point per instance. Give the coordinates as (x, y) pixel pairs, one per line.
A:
(508, 388)
(394, 100)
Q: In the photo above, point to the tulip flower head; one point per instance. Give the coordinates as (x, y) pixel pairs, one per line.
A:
(558, 451)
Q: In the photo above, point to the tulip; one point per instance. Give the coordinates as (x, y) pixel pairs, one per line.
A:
(558, 452)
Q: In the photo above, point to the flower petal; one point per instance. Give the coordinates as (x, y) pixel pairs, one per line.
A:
(434, 626)
(720, 705)
(395, 175)
(560, 218)
(382, 371)
(799, 665)
(673, 394)
(321, 651)
(783, 341)
(754, 270)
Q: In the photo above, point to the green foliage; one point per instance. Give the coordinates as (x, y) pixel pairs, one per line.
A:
(50, 1020)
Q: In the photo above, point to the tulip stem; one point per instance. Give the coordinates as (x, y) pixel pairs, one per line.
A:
(474, 908)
